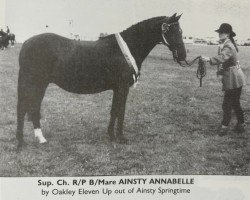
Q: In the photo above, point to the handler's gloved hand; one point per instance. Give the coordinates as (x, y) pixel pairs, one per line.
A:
(205, 58)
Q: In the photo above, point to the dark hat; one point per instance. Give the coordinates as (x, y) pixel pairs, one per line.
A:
(226, 28)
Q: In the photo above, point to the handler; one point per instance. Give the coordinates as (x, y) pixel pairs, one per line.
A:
(233, 78)
(2, 33)
(8, 30)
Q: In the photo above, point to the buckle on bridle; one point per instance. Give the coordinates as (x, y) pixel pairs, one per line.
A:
(165, 28)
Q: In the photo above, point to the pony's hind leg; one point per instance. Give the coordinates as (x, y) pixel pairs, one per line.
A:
(29, 101)
(36, 98)
(22, 107)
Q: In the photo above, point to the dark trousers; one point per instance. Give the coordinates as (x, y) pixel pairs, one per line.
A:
(232, 102)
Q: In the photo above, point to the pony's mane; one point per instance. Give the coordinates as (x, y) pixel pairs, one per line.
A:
(135, 26)
(146, 21)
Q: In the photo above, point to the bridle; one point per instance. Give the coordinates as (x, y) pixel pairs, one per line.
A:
(201, 70)
(175, 54)
(167, 27)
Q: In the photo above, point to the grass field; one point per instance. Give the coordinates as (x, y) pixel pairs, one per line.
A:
(170, 122)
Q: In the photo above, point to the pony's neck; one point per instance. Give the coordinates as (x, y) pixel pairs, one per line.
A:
(141, 39)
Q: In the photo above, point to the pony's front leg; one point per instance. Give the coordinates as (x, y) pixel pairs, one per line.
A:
(113, 115)
(122, 98)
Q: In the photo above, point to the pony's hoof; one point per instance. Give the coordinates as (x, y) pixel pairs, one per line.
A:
(43, 141)
(44, 144)
(112, 138)
(20, 145)
(122, 140)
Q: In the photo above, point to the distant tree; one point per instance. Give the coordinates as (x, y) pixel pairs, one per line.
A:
(103, 35)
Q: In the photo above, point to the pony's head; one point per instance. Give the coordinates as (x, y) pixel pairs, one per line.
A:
(172, 37)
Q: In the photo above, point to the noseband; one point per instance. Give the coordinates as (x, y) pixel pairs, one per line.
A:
(201, 70)
(170, 46)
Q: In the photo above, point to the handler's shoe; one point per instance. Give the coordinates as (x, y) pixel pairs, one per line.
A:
(240, 128)
(223, 130)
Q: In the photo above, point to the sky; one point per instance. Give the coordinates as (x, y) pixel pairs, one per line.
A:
(91, 17)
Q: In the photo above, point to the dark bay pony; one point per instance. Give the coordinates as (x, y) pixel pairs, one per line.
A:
(5, 39)
(87, 67)
(12, 39)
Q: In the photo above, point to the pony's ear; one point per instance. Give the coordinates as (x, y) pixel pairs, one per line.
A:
(164, 27)
(178, 17)
(174, 15)
(172, 18)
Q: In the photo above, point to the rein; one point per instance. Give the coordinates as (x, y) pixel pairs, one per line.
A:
(201, 69)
